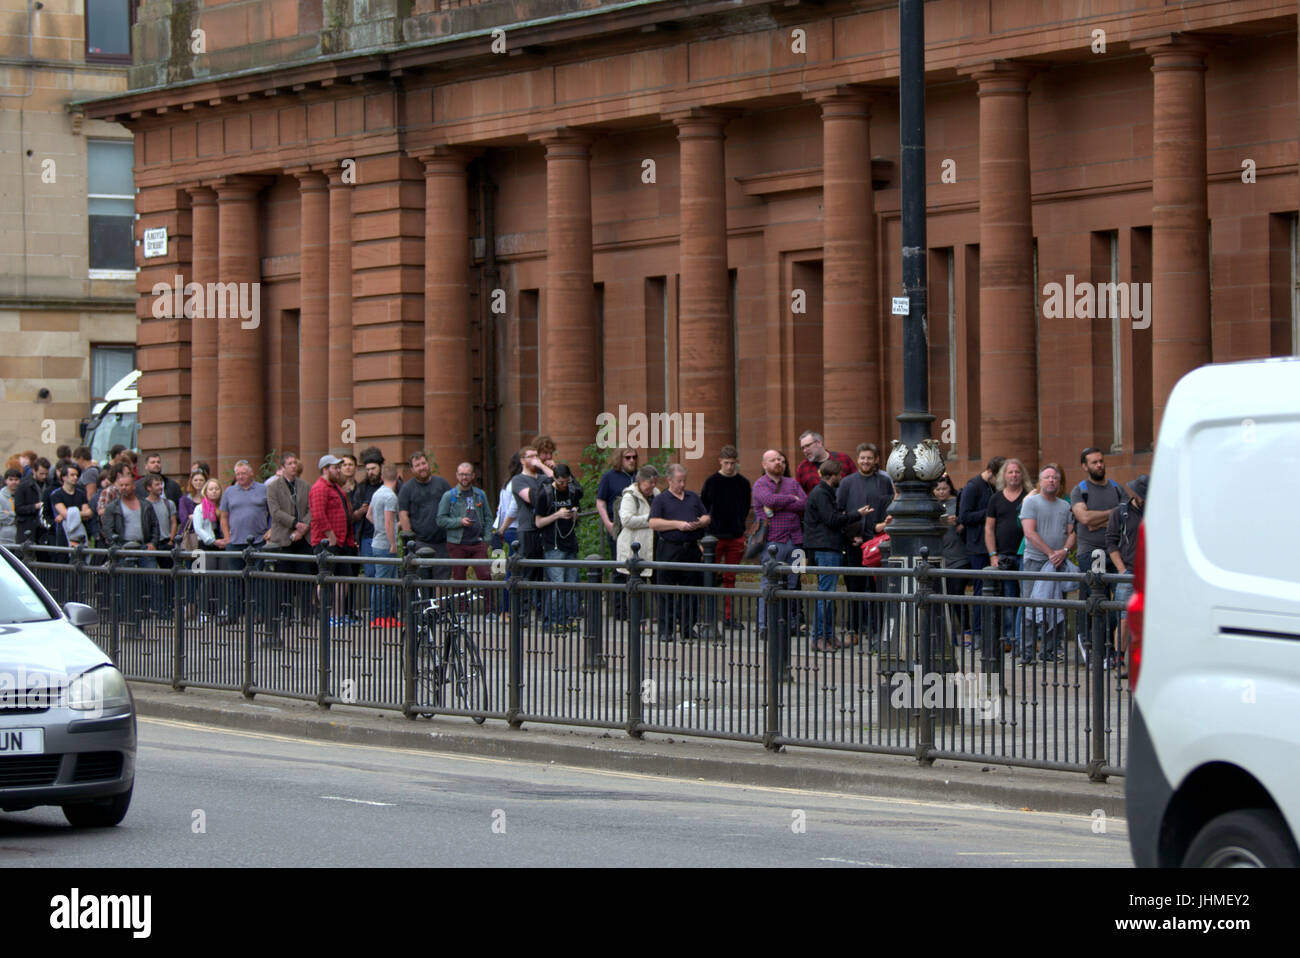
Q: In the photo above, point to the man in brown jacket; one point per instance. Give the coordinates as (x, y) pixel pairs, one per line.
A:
(286, 501)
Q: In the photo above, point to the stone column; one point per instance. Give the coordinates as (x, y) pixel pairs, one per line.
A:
(1180, 232)
(448, 376)
(1008, 333)
(203, 335)
(570, 393)
(241, 372)
(705, 363)
(850, 321)
(340, 312)
(313, 320)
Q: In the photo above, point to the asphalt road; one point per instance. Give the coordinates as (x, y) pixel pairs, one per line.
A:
(211, 797)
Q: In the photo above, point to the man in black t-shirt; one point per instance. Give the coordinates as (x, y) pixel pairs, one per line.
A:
(678, 519)
(726, 496)
(417, 505)
(558, 523)
(532, 495)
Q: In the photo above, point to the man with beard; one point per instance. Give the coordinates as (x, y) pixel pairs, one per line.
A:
(34, 521)
(1092, 501)
(153, 467)
(867, 493)
(372, 461)
(417, 504)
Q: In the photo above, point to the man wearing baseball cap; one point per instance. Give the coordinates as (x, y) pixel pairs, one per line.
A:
(1121, 546)
(331, 525)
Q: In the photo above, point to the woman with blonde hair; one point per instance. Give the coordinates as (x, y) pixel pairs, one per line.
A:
(1005, 539)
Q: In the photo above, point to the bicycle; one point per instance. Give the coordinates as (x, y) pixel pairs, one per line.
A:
(455, 660)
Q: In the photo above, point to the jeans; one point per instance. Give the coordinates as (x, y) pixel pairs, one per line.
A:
(978, 560)
(1040, 625)
(234, 559)
(157, 588)
(1012, 619)
(561, 604)
(826, 582)
(365, 551)
(783, 551)
(383, 599)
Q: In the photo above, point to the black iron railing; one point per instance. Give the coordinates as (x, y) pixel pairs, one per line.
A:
(898, 660)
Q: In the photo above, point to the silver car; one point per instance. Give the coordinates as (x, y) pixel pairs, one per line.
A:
(67, 719)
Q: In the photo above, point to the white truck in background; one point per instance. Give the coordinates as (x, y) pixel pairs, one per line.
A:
(115, 420)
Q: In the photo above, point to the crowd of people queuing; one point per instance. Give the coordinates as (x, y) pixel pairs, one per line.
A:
(832, 512)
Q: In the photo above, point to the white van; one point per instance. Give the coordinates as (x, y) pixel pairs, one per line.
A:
(1213, 774)
(114, 421)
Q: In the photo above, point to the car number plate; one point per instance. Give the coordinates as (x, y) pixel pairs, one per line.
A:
(22, 741)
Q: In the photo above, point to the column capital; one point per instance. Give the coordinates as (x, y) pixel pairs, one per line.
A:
(200, 195)
(1178, 51)
(1001, 77)
(564, 141)
(239, 187)
(445, 158)
(307, 177)
(700, 120)
(849, 99)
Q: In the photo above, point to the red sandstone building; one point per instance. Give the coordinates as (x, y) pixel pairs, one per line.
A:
(693, 207)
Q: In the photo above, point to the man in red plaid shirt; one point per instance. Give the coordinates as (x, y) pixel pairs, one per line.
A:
(331, 522)
(330, 512)
(815, 453)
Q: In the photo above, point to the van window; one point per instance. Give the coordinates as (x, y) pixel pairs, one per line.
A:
(1237, 497)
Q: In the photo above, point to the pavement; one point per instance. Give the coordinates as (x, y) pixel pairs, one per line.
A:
(677, 756)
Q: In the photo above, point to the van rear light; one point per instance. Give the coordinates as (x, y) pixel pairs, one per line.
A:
(1136, 604)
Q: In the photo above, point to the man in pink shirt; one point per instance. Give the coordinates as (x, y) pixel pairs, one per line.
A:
(781, 499)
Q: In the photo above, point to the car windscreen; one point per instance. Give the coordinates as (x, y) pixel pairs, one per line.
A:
(19, 602)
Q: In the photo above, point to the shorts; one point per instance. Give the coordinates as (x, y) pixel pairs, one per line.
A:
(1123, 591)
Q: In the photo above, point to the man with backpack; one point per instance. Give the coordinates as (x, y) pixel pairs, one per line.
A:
(1121, 546)
(1092, 501)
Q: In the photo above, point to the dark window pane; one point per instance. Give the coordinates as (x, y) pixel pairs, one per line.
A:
(108, 27)
(112, 243)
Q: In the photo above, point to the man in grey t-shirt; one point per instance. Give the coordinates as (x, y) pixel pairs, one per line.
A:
(383, 515)
(1047, 522)
(1092, 501)
(1049, 536)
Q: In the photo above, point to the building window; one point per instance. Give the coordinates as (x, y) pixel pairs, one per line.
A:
(110, 193)
(108, 30)
(108, 364)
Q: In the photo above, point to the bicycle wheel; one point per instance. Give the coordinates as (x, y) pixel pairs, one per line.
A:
(470, 680)
(428, 673)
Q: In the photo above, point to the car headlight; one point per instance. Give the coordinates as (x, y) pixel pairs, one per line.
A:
(98, 690)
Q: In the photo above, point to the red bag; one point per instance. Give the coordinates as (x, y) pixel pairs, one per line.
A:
(871, 551)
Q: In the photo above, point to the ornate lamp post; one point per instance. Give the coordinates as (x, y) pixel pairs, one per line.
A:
(915, 461)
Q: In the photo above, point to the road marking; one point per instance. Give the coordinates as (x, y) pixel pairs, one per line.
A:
(850, 861)
(990, 853)
(357, 801)
(1038, 861)
(608, 773)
